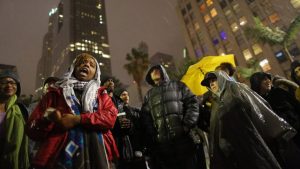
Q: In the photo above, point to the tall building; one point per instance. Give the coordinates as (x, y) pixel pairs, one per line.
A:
(165, 60)
(217, 27)
(75, 27)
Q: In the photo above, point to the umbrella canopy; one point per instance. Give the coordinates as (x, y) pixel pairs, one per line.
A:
(195, 73)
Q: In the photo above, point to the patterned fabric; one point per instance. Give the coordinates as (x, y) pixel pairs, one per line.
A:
(84, 149)
(79, 85)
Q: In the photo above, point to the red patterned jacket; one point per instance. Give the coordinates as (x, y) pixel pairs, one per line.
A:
(52, 137)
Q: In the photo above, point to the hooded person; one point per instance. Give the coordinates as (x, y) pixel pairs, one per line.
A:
(241, 126)
(13, 141)
(73, 122)
(169, 112)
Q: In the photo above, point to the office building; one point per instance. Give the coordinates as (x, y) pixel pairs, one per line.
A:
(217, 27)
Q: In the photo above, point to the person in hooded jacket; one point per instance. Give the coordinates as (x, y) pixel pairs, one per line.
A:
(72, 122)
(169, 111)
(13, 141)
(282, 102)
(285, 105)
(241, 125)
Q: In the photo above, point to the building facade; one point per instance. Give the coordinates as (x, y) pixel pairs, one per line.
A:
(217, 27)
(75, 27)
(163, 59)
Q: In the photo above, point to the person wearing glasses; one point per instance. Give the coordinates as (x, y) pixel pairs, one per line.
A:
(13, 141)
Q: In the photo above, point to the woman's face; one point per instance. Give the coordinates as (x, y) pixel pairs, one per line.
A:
(8, 87)
(85, 70)
(297, 72)
(265, 86)
(213, 84)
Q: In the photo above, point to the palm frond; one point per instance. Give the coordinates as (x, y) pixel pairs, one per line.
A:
(292, 30)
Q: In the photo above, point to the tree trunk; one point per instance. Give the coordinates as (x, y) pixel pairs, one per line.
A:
(291, 58)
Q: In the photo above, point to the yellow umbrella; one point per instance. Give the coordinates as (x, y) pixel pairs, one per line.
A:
(195, 73)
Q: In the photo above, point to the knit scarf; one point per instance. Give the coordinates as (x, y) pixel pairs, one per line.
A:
(15, 148)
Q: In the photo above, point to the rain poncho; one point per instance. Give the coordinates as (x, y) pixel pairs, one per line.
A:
(242, 127)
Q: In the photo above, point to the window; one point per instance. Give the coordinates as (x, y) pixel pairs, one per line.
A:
(234, 27)
(196, 26)
(264, 64)
(209, 2)
(202, 8)
(280, 56)
(189, 6)
(295, 3)
(256, 49)
(247, 54)
(274, 18)
(236, 8)
(221, 51)
(213, 12)
(183, 12)
(223, 4)
(215, 41)
(223, 35)
(206, 18)
(243, 21)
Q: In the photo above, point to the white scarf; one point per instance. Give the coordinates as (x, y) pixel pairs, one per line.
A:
(89, 95)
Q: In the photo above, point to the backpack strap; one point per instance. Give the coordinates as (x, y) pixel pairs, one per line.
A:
(24, 110)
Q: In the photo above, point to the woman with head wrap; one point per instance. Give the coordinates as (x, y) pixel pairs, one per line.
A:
(73, 122)
(241, 126)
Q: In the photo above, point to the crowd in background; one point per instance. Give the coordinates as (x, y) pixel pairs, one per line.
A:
(82, 122)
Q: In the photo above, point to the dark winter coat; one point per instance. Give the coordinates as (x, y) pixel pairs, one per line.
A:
(167, 109)
(241, 126)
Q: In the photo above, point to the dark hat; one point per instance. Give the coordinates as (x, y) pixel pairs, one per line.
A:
(105, 78)
(13, 75)
(119, 91)
(257, 78)
(208, 76)
(51, 79)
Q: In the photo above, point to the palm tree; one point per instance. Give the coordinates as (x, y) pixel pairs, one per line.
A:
(275, 36)
(138, 65)
(251, 68)
(181, 70)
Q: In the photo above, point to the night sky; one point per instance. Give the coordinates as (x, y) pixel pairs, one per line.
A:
(24, 23)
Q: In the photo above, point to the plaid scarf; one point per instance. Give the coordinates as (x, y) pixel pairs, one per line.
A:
(79, 85)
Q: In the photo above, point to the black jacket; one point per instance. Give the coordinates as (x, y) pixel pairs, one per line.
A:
(167, 109)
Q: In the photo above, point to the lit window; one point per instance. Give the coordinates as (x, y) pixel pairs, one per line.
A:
(202, 8)
(215, 41)
(105, 55)
(274, 18)
(280, 56)
(236, 8)
(213, 12)
(256, 49)
(243, 21)
(105, 45)
(209, 2)
(264, 64)
(234, 27)
(221, 51)
(206, 18)
(247, 54)
(197, 26)
(295, 3)
(99, 6)
(223, 35)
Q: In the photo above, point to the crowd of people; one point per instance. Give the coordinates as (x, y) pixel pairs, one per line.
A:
(82, 122)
